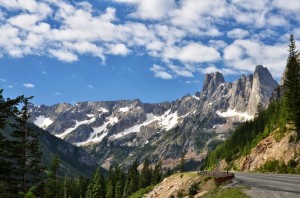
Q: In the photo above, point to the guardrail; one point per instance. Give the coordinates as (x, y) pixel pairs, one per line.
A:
(219, 177)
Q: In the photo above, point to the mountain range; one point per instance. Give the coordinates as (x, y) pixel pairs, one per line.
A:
(125, 130)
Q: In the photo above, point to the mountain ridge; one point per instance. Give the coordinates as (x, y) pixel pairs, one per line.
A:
(132, 124)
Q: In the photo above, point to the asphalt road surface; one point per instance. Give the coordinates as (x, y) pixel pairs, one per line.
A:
(269, 185)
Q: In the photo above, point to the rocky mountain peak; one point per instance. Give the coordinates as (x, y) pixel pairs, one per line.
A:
(211, 82)
(263, 86)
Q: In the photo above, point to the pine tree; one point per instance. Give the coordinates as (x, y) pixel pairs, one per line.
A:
(110, 190)
(8, 107)
(157, 173)
(120, 182)
(292, 87)
(52, 184)
(119, 189)
(96, 188)
(25, 151)
(259, 109)
(182, 164)
(145, 179)
(132, 180)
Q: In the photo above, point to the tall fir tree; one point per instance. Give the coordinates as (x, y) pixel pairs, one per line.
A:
(157, 173)
(145, 179)
(182, 164)
(53, 185)
(25, 151)
(132, 180)
(292, 87)
(8, 107)
(97, 188)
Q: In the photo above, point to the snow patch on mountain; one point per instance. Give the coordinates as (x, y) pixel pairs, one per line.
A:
(233, 113)
(78, 123)
(124, 109)
(99, 132)
(42, 122)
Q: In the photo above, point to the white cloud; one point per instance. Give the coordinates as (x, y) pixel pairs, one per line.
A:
(217, 44)
(2, 80)
(64, 55)
(237, 33)
(118, 49)
(153, 10)
(192, 81)
(28, 85)
(181, 71)
(10, 86)
(291, 5)
(90, 86)
(213, 69)
(192, 53)
(174, 32)
(244, 55)
(24, 21)
(160, 72)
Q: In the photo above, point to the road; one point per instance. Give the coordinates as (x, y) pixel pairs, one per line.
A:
(269, 185)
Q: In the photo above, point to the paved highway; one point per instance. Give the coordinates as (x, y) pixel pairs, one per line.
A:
(269, 185)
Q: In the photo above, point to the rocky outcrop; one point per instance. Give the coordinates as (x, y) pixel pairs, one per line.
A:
(269, 149)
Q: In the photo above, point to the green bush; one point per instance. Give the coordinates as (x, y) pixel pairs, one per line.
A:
(207, 178)
(140, 193)
(193, 189)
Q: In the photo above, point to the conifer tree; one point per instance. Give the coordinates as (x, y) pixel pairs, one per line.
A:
(157, 173)
(25, 151)
(145, 179)
(292, 87)
(52, 185)
(132, 180)
(119, 189)
(7, 109)
(182, 164)
(259, 109)
(96, 188)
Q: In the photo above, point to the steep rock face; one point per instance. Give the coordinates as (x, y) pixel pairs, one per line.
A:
(125, 130)
(269, 149)
(263, 86)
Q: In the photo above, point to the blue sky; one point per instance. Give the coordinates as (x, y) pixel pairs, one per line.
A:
(158, 50)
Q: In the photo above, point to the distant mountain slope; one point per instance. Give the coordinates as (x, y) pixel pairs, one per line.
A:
(119, 131)
(75, 161)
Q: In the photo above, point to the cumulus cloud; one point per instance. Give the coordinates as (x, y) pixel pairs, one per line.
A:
(175, 33)
(64, 55)
(213, 69)
(152, 10)
(237, 33)
(244, 55)
(2, 80)
(160, 72)
(192, 53)
(28, 85)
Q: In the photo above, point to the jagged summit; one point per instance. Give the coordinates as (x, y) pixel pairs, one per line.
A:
(213, 80)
